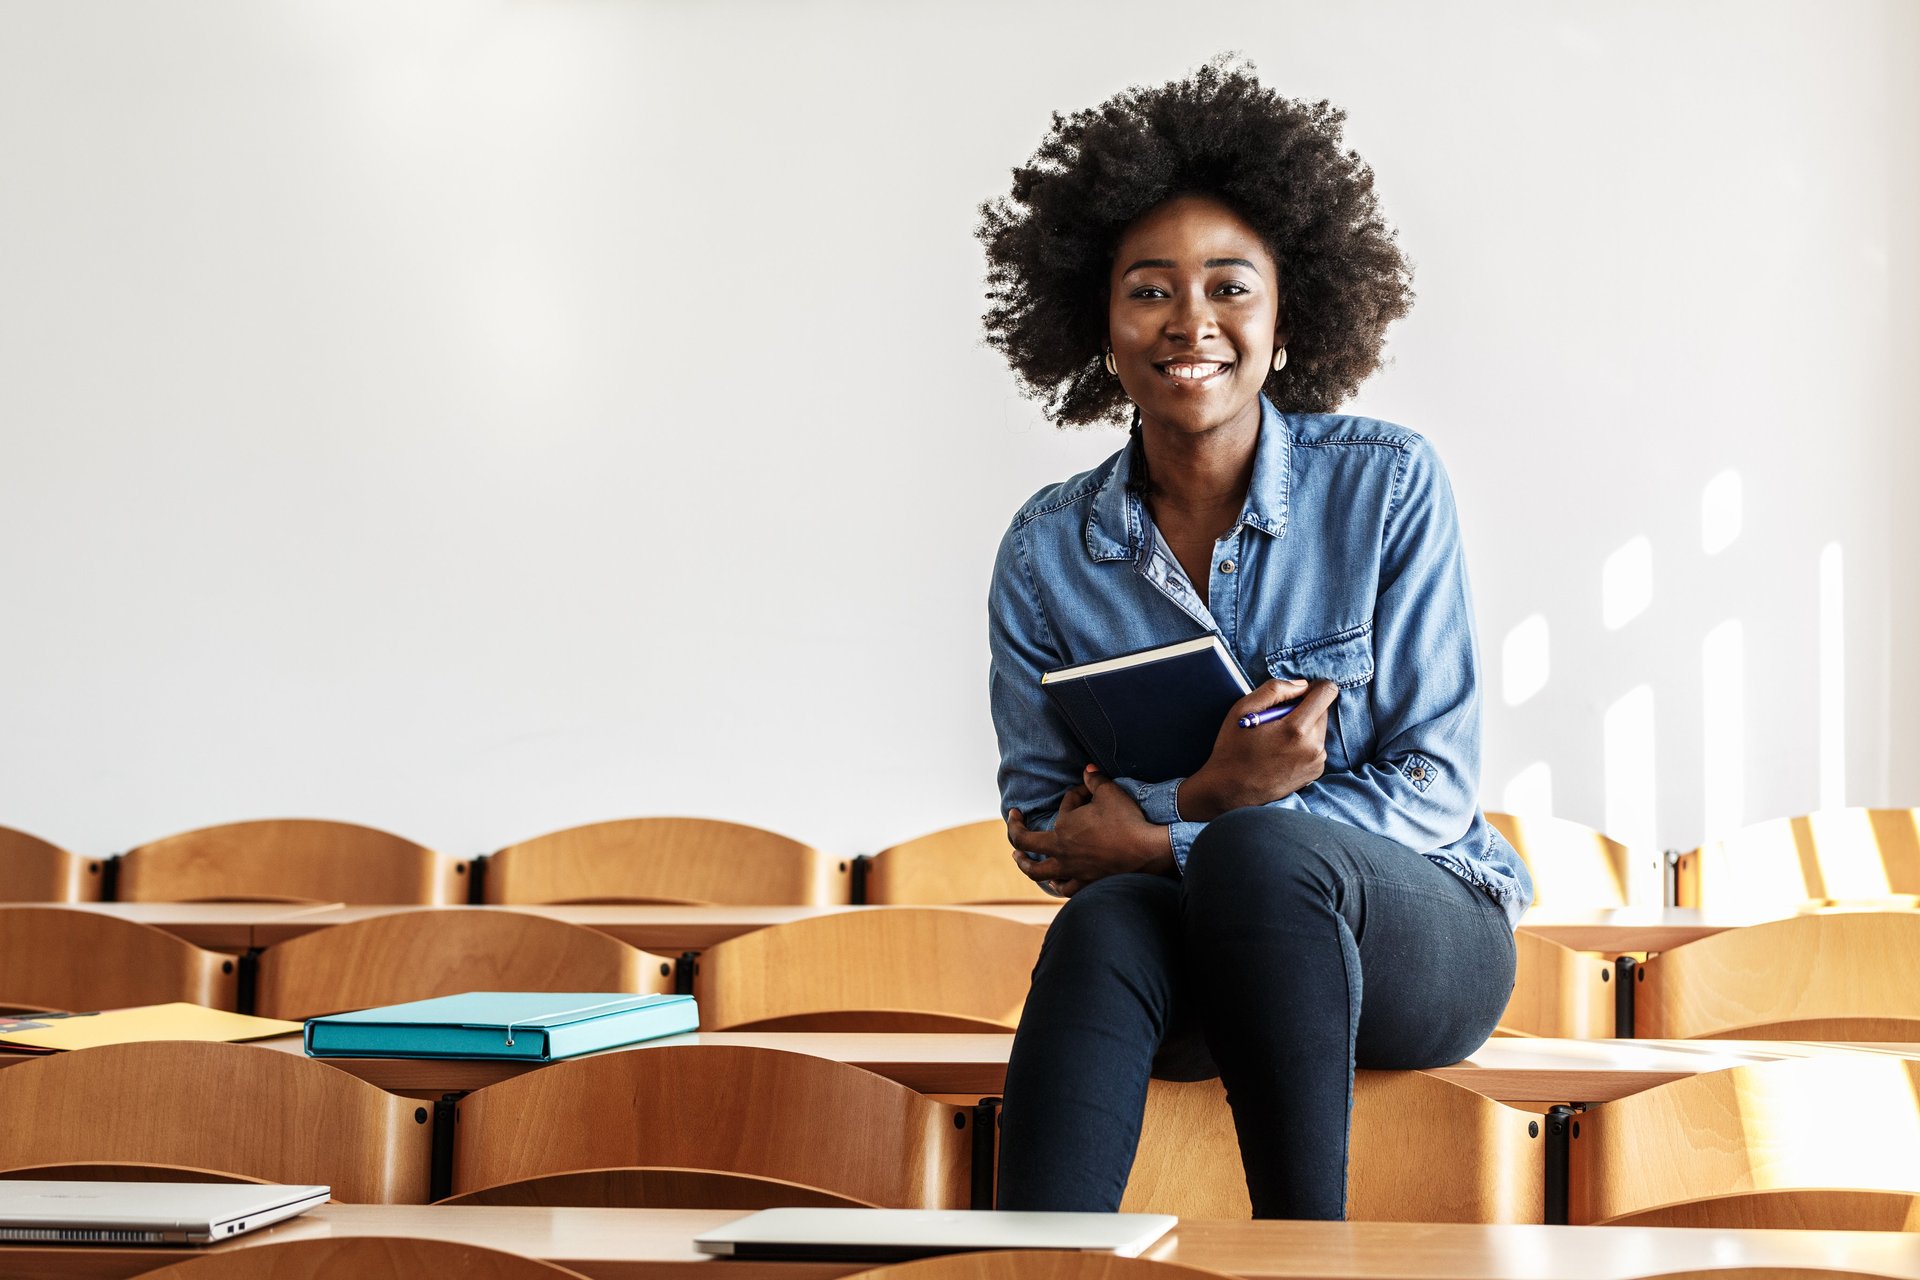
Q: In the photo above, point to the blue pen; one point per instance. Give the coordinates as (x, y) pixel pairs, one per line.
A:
(1271, 714)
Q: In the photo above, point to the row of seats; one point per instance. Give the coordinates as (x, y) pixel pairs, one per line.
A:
(909, 969)
(693, 861)
(1813, 1143)
(1822, 977)
(1842, 854)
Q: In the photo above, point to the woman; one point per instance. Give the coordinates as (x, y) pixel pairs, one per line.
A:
(1324, 892)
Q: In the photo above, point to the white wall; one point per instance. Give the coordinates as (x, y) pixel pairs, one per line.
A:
(479, 418)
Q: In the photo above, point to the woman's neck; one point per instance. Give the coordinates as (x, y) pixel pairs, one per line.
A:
(1199, 477)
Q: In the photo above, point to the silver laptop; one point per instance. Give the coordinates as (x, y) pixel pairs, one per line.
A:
(888, 1235)
(144, 1212)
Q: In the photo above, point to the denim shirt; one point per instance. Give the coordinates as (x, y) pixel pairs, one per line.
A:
(1345, 565)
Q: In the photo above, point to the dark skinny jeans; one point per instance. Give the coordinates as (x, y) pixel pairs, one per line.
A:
(1294, 949)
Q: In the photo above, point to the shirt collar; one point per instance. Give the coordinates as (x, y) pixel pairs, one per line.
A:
(1116, 525)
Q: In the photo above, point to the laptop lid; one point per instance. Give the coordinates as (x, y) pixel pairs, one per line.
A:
(145, 1212)
(893, 1234)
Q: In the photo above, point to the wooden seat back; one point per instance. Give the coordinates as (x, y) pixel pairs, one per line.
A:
(1421, 1150)
(769, 1116)
(1760, 1146)
(645, 1188)
(290, 860)
(873, 969)
(1558, 992)
(1834, 855)
(965, 864)
(228, 1108)
(1846, 976)
(59, 958)
(360, 1258)
(416, 955)
(35, 870)
(1574, 868)
(688, 861)
(1038, 1264)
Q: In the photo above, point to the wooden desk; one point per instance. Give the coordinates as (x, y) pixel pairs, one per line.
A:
(1625, 929)
(218, 926)
(656, 1244)
(660, 929)
(1521, 1072)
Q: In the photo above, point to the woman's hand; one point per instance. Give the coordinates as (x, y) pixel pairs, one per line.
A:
(1098, 831)
(1257, 766)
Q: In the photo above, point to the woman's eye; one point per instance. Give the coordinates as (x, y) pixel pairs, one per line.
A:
(1148, 291)
(1231, 288)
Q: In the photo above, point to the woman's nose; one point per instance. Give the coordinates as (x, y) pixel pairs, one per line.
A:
(1192, 319)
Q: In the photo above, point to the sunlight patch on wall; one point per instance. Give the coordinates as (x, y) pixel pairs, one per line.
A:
(1721, 512)
(1523, 660)
(1529, 792)
(1833, 678)
(1631, 786)
(1723, 673)
(1626, 583)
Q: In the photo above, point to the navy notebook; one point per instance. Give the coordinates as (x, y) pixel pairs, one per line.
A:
(1151, 715)
(537, 1026)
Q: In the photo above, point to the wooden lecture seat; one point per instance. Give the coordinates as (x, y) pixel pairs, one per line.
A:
(694, 861)
(227, 1108)
(1421, 1150)
(35, 870)
(1573, 867)
(874, 969)
(362, 1258)
(1037, 1264)
(782, 1120)
(1834, 855)
(439, 951)
(1558, 992)
(65, 959)
(1848, 976)
(965, 864)
(1825, 1143)
(290, 860)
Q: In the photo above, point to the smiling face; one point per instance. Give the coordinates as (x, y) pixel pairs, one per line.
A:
(1193, 306)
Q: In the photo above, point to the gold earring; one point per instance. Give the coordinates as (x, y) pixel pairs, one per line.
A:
(1279, 359)
(1112, 368)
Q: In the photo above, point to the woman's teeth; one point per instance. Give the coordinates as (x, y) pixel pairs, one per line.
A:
(1193, 372)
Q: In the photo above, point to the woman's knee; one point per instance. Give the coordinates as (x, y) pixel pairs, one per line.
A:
(1115, 923)
(1264, 854)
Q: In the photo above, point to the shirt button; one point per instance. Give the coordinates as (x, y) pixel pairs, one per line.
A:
(1226, 566)
(1417, 773)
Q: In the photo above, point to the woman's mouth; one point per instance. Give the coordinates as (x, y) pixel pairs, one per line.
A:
(1187, 374)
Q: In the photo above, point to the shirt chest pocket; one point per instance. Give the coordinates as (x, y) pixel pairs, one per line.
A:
(1346, 658)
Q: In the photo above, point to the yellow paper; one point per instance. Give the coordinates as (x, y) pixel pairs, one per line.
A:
(149, 1022)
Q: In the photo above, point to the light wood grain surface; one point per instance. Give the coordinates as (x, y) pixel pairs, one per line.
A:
(36, 870)
(1558, 992)
(226, 1107)
(1742, 1141)
(417, 955)
(52, 957)
(909, 968)
(1515, 1071)
(291, 859)
(364, 1258)
(790, 1118)
(672, 929)
(972, 863)
(1039, 1264)
(1849, 975)
(1572, 866)
(677, 860)
(644, 1244)
(1421, 1150)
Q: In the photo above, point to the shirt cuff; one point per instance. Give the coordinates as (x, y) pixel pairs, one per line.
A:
(1182, 834)
(1157, 800)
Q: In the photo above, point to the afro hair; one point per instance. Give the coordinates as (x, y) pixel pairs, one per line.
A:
(1278, 163)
